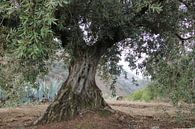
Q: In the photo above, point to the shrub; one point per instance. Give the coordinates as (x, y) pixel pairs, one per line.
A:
(137, 95)
(151, 92)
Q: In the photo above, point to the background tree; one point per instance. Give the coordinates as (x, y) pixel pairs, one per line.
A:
(92, 33)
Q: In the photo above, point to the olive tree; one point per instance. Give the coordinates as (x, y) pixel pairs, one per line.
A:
(93, 33)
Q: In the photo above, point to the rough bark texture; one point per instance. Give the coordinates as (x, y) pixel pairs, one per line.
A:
(80, 92)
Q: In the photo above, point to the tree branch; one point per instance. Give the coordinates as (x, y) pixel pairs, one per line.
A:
(156, 29)
(184, 2)
(182, 38)
(2, 19)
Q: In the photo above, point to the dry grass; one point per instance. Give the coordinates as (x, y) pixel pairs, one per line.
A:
(136, 115)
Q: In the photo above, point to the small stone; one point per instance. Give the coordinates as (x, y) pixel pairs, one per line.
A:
(121, 118)
(155, 127)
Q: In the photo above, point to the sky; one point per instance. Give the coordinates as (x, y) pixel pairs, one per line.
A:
(127, 68)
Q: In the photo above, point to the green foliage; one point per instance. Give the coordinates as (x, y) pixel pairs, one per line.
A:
(15, 95)
(3, 45)
(34, 35)
(153, 7)
(30, 41)
(149, 93)
(136, 95)
(25, 44)
(178, 79)
(151, 28)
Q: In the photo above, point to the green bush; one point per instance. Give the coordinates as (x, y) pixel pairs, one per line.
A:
(147, 95)
(151, 92)
(137, 95)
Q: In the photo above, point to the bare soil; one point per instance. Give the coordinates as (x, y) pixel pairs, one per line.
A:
(128, 115)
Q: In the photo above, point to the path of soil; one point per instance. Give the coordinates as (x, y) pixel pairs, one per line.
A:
(135, 116)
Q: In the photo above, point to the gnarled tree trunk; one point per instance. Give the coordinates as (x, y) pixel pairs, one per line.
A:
(79, 92)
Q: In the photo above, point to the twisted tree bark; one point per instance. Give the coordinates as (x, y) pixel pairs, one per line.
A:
(79, 92)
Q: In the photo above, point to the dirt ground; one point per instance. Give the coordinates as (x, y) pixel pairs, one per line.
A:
(129, 115)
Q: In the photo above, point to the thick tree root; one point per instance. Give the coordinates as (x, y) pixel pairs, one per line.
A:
(68, 104)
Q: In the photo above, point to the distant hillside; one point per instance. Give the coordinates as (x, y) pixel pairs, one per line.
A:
(123, 86)
(58, 75)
